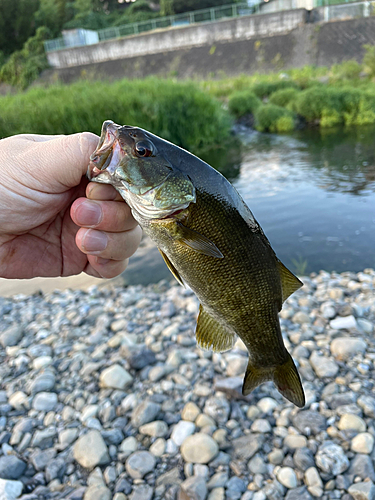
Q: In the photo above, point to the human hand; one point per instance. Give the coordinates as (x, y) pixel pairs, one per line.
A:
(47, 228)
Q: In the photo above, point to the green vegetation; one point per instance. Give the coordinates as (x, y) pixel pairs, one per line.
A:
(243, 102)
(179, 112)
(272, 118)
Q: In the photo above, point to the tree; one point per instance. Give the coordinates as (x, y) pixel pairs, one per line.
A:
(180, 6)
(16, 23)
(166, 8)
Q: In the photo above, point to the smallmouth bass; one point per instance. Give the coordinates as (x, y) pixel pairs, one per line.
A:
(210, 241)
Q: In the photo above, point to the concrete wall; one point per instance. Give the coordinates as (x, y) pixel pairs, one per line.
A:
(230, 30)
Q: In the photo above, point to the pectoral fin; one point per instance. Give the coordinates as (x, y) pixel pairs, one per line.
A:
(171, 267)
(289, 282)
(210, 333)
(198, 242)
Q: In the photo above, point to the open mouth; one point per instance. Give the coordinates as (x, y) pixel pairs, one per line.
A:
(107, 156)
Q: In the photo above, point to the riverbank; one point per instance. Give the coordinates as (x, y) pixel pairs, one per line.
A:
(105, 395)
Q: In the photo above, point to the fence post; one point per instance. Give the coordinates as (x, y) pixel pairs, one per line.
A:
(212, 14)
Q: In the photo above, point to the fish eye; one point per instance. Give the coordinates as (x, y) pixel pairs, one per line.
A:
(144, 149)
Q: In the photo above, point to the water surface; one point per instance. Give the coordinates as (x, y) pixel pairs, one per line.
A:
(313, 193)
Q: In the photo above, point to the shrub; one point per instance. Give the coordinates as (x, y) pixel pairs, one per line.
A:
(317, 103)
(264, 89)
(369, 59)
(272, 118)
(348, 70)
(283, 97)
(179, 112)
(243, 102)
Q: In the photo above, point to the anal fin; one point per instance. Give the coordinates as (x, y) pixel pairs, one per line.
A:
(171, 267)
(289, 282)
(285, 377)
(210, 334)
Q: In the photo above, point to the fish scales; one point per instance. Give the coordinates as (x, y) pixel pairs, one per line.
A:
(211, 241)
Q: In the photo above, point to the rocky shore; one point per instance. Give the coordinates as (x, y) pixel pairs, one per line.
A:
(104, 395)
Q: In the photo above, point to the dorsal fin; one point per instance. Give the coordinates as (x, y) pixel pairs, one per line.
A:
(171, 267)
(289, 282)
(210, 333)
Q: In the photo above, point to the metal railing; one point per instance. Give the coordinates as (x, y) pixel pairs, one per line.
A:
(197, 16)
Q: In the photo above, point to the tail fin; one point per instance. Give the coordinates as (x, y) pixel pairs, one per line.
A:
(285, 377)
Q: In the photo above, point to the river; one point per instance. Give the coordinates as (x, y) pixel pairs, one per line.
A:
(313, 193)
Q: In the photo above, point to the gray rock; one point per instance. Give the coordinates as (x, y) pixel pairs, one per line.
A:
(342, 323)
(10, 490)
(299, 494)
(362, 466)
(195, 488)
(115, 377)
(144, 413)
(44, 439)
(142, 492)
(45, 401)
(43, 382)
(90, 450)
(97, 492)
(323, 366)
(287, 477)
(303, 459)
(181, 431)
(55, 469)
(40, 459)
(367, 403)
(331, 458)
(172, 476)
(217, 408)
(157, 428)
(246, 446)
(138, 356)
(362, 491)
(274, 490)
(236, 484)
(11, 336)
(309, 421)
(139, 464)
(11, 467)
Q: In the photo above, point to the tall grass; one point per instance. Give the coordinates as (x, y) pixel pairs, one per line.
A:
(179, 112)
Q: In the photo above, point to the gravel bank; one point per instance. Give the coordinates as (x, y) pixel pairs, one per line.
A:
(104, 395)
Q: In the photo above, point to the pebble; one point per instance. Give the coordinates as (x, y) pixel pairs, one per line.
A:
(90, 450)
(199, 448)
(11, 467)
(362, 491)
(139, 464)
(287, 477)
(115, 377)
(11, 336)
(346, 347)
(363, 443)
(10, 490)
(348, 421)
(181, 431)
(183, 407)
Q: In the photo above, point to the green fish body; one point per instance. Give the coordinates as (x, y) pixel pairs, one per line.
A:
(210, 241)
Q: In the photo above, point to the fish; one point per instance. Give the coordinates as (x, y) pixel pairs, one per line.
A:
(211, 242)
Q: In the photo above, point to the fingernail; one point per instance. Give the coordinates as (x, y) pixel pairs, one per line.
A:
(88, 213)
(94, 241)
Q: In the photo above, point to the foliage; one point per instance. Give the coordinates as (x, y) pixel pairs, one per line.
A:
(264, 89)
(369, 59)
(272, 118)
(180, 6)
(24, 66)
(283, 97)
(179, 112)
(137, 12)
(243, 102)
(166, 8)
(16, 23)
(348, 70)
(50, 14)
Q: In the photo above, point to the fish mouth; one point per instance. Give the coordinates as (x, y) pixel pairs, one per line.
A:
(107, 156)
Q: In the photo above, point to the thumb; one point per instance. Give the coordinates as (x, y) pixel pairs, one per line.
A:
(64, 159)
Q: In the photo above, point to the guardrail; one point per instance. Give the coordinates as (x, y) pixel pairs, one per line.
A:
(197, 16)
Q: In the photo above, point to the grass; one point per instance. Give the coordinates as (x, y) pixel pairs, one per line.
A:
(180, 112)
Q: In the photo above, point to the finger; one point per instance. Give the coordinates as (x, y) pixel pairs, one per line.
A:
(95, 191)
(111, 216)
(104, 268)
(114, 246)
(62, 161)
